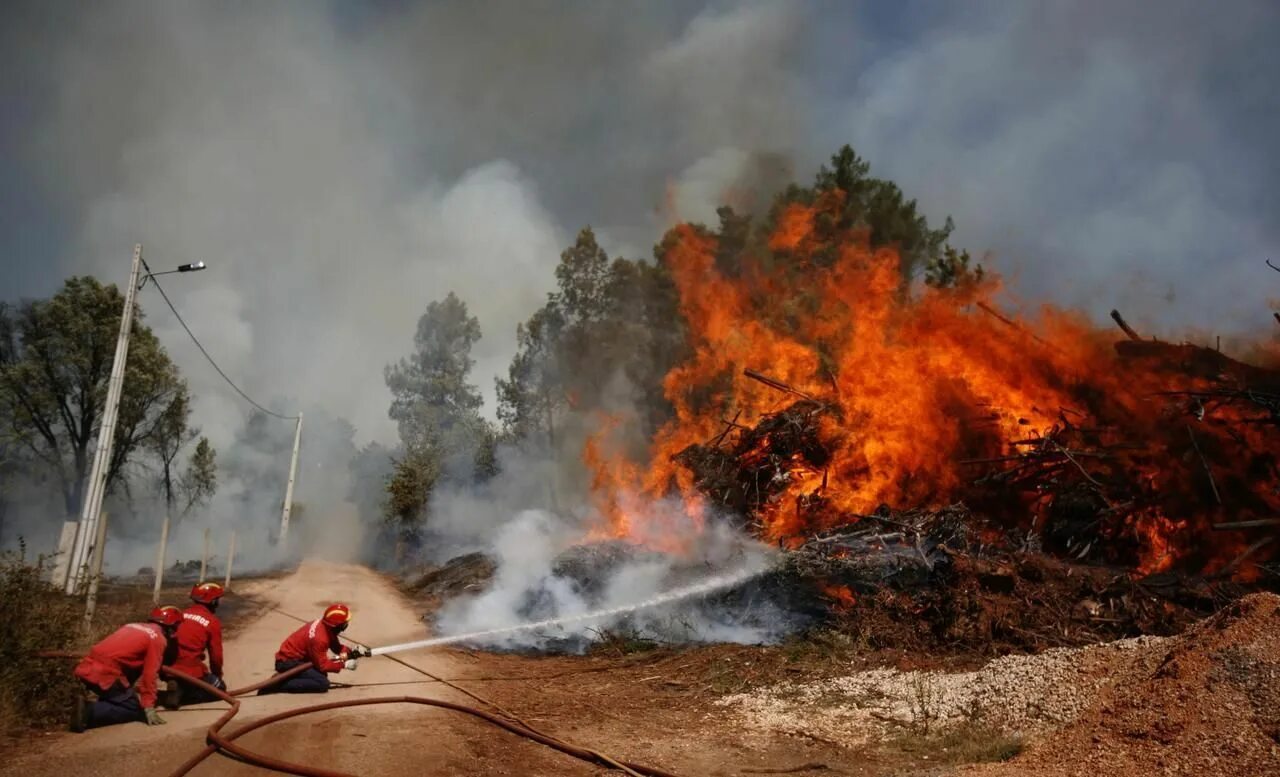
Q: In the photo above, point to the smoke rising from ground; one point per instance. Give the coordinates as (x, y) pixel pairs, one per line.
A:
(534, 582)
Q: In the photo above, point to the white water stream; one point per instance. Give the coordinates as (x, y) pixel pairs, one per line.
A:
(710, 585)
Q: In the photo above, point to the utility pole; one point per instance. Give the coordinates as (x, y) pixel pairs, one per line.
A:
(95, 573)
(204, 559)
(164, 541)
(91, 506)
(231, 556)
(288, 489)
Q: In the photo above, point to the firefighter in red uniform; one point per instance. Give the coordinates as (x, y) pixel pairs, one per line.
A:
(200, 633)
(122, 670)
(312, 643)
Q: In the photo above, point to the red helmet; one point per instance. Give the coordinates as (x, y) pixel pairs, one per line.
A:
(167, 615)
(337, 615)
(207, 593)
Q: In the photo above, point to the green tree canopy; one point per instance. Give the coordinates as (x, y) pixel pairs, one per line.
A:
(430, 388)
(436, 407)
(55, 361)
(193, 486)
(606, 319)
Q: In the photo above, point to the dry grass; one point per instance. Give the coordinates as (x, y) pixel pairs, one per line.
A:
(969, 743)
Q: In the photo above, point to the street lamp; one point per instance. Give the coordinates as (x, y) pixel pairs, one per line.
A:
(91, 509)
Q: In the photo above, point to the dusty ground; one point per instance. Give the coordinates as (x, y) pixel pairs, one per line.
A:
(371, 740)
(730, 710)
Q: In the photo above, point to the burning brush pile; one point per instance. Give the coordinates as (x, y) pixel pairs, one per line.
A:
(944, 471)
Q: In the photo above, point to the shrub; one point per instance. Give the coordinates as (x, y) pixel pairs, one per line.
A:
(34, 692)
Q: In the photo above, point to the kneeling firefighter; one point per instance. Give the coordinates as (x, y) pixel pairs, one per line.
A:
(123, 670)
(314, 642)
(200, 633)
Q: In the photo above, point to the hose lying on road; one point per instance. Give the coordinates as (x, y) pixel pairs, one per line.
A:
(217, 741)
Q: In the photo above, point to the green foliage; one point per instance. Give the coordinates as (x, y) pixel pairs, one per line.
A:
(534, 393)
(199, 481)
(607, 319)
(431, 387)
(952, 270)
(874, 204)
(442, 435)
(413, 477)
(36, 616)
(55, 361)
(195, 485)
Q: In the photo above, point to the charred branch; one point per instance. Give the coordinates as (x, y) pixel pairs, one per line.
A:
(1212, 483)
(1254, 524)
(989, 310)
(777, 384)
(1124, 325)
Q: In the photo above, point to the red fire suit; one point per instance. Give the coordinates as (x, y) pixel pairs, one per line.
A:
(313, 642)
(199, 632)
(130, 655)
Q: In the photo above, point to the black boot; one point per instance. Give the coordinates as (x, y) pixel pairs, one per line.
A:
(171, 699)
(79, 712)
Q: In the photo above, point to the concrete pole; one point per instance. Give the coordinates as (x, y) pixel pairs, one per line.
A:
(164, 541)
(288, 489)
(99, 549)
(204, 559)
(62, 559)
(231, 555)
(94, 488)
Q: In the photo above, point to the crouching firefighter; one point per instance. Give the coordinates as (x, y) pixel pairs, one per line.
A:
(200, 633)
(313, 643)
(123, 671)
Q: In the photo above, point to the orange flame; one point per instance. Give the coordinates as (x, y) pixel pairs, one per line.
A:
(916, 382)
(841, 595)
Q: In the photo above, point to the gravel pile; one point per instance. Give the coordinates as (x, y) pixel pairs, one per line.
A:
(1023, 694)
(1210, 707)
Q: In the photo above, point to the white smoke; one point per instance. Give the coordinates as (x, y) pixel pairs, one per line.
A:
(536, 551)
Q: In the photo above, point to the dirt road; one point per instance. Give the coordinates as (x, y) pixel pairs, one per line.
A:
(385, 739)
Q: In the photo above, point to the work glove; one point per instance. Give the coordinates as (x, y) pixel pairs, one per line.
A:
(350, 665)
(153, 717)
(357, 652)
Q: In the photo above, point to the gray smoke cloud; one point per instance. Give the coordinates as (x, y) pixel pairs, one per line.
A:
(340, 165)
(338, 169)
(1107, 154)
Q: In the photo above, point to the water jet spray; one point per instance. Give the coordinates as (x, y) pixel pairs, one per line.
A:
(710, 585)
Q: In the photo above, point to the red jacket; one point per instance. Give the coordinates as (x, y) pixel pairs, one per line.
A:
(131, 655)
(200, 631)
(313, 642)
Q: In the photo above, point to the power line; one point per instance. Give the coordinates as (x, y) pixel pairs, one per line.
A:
(196, 340)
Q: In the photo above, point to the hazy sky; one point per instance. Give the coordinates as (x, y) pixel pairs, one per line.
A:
(339, 165)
